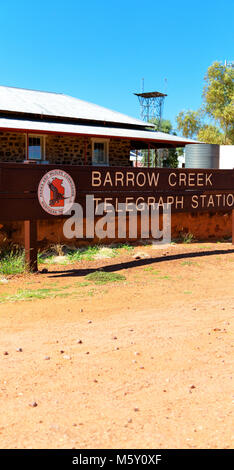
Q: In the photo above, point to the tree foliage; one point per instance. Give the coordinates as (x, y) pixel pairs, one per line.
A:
(210, 135)
(162, 126)
(189, 123)
(217, 106)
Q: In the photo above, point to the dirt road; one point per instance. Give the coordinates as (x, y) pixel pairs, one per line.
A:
(145, 362)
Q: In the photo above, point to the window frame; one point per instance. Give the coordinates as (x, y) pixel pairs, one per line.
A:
(106, 150)
(43, 147)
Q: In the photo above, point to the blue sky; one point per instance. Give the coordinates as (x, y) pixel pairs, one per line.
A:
(99, 51)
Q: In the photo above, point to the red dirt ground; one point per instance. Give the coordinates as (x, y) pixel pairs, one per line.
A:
(153, 370)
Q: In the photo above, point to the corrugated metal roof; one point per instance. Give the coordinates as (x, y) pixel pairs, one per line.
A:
(55, 104)
(76, 129)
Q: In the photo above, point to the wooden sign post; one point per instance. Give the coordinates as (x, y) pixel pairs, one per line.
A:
(33, 192)
(30, 244)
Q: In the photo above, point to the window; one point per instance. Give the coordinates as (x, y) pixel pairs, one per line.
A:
(100, 152)
(36, 147)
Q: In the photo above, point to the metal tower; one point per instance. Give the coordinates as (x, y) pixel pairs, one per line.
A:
(151, 105)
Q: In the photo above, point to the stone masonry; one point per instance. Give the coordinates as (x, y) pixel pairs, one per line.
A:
(12, 147)
(62, 149)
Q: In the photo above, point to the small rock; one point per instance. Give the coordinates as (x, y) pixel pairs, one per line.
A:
(130, 420)
(141, 255)
(137, 353)
(59, 259)
(115, 337)
(136, 409)
(90, 321)
(79, 341)
(6, 353)
(81, 309)
(47, 358)
(65, 356)
(192, 386)
(19, 350)
(117, 349)
(33, 404)
(141, 367)
(87, 352)
(62, 352)
(96, 381)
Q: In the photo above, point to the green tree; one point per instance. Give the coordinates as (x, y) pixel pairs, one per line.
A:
(210, 135)
(189, 123)
(217, 106)
(218, 97)
(164, 125)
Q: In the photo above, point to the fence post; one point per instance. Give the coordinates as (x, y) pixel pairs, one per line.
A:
(30, 244)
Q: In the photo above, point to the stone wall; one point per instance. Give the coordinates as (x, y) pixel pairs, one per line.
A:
(72, 150)
(12, 147)
(119, 152)
(62, 149)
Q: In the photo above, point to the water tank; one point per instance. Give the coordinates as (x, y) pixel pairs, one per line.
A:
(202, 156)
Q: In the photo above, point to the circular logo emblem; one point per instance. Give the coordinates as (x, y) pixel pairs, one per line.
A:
(56, 192)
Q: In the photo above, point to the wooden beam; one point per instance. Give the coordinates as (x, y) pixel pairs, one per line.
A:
(30, 244)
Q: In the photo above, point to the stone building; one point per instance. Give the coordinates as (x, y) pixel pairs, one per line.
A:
(54, 128)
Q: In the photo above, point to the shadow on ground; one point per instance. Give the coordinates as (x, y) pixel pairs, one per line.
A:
(137, 263)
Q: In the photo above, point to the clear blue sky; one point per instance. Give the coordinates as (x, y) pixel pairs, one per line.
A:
(99, 51)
